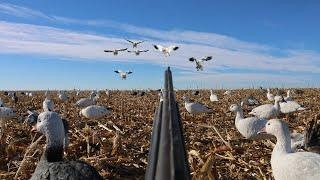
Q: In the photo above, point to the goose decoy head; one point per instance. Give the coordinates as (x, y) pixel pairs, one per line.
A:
(234, 108)
(275, 127)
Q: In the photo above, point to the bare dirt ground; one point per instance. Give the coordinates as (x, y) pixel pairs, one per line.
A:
(125, 156)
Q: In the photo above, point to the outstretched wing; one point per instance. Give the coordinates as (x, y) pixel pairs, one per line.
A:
(140, 42)
(108, 50)
(174, 48)
(143, 50)
(206, 58)
(158, 47)
(192, 59)
(129, 72)
(122, 49)
(130, 51)
(130, 41)
(117, 71)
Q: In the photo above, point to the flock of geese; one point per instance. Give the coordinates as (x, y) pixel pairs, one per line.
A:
(166, 50)
(295, 156)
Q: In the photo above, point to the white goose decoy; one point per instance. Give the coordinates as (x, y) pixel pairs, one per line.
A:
(287, 164)
(95, 112)
(213, 97)
(268, 111)
(63, 96)
(137, 52)
(227, 93)
(290, 106)
(288, 98)
(5, 114)
(269, 95)
(135, 44)
(122, 74)
(1, 103)
(48, 104)
(85, 102)
(199, 65)
(248, 127)
(165, 50)
(115, 51)
(52, 165)
(195, 107)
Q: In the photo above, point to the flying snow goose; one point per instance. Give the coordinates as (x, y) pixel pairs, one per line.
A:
(48, 104)
(199, 63)
(287, 164)
(85, 102)
(115, 51)
(52, 165)
(123, 74)
(213, 97)
(134, 44)
(165, 50)
(137, 52)
(195, 107)
(248, 127)
(268, 111)
(269, 95)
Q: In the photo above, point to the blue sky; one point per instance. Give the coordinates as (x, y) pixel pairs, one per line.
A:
(59, 44)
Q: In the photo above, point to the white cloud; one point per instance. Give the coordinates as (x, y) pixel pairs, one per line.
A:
(20, 11)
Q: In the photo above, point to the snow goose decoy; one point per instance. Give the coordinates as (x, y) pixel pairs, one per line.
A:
(268, 111)
(213, 97)
(166, 50)
(288, 98)
(63, 96)
(122, 74)
(5, 114)
(248, 127)
(85, 102)
(135, 44)
(289, 107)
(249, 101)
(269, 95)
(115, 51)
(1, 103)
(95, 112)
(227, 93)
(195, 93)
(287, 164)
(52, 165)
(195, 107)
(31, 118)
(48, 104)
(199, 65)
(137, 52)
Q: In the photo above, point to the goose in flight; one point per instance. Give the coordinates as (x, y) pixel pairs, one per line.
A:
(135, 44)
(165, 50)
(115, 51)
(122, 74)
(137, 52)
(199, 65)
